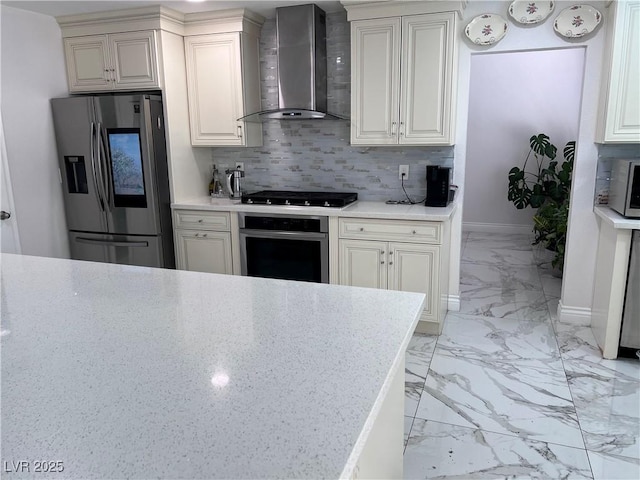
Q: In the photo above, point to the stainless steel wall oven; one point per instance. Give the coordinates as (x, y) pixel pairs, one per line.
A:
(289, 247)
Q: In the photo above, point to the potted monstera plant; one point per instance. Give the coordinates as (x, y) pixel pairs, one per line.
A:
(545, 186)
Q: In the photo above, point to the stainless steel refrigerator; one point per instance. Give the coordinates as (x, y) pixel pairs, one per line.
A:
(113, 166)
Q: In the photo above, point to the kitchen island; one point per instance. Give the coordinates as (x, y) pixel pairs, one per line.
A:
(113, 371)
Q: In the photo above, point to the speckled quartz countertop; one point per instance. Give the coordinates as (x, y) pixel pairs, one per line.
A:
(616, 220)
(131, 372)
(359, 208)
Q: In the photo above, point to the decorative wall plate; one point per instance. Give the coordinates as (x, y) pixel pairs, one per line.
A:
(529, 12)
(577, 21)
(486, 29)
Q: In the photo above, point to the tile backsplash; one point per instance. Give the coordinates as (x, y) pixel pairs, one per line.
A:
(316, 154)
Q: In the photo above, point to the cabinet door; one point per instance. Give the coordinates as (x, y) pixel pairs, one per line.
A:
(414, 268)
(200, 251)
(375, 81)
(428, 57)
(87, 63)
(134, 60)
(622, 95)
(214, 83)
(363, 263)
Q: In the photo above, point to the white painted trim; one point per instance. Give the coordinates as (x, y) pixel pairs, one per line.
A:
(453, 303)
(359, 10)
(120, 21)
(496, 228)
(574, 315)
(9, 192)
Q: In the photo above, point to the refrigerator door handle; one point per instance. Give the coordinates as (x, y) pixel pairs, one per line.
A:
(96, 183)
(111, 243)
(102, 166)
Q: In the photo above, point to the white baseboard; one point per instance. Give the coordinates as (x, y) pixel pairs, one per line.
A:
(453, 303)
(496, 228)
(574, 315)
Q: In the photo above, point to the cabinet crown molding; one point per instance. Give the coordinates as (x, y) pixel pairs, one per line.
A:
(158, 17)
(366, 10)
(223, 21)
(120, 21)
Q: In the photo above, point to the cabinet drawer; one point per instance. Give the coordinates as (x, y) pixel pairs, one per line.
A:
(199, 220)
(391, 230)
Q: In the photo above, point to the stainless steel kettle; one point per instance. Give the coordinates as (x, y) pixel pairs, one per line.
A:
(234, 184)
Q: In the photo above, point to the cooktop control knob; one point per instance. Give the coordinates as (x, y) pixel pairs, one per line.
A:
(326, 204)
(268, 202)
(249, 201)
(306, 203)
(286, 202)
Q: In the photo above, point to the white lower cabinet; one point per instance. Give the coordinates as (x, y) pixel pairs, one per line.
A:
(400, 255)
(203, 241)
(199, 251)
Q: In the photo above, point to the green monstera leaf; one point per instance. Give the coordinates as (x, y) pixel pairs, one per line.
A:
(541, 145)
(547, 189)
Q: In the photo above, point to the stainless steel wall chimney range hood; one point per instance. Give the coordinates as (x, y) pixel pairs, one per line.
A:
(302, 65)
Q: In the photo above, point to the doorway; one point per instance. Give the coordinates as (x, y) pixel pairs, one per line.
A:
(512, 96)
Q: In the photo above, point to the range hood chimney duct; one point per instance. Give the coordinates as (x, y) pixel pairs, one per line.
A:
(302, 65)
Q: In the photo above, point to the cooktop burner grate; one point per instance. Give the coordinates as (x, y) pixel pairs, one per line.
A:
(305, 199)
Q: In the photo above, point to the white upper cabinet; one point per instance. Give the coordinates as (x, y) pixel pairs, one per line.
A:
(223, 86)
(120, 61)
(619, 118)
(375, 81)
(403, 75)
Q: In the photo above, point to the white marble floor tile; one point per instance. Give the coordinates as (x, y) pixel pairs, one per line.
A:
(510, 240)
(551, 285)
(579, 347)
(408, 421)
(499, 254)
(417, 359)
(493, 398)
(436, 450)
(507, 278)
(499, 340)
(528, 305)
(609, 467)
(552, 306)
(490, 385)
(606, 393)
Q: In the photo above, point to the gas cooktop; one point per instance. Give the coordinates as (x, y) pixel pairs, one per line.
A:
(304, 199)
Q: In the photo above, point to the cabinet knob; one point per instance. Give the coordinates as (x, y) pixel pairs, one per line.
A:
(362, 229)
(381, 262)
(200, 221)
(414, 232)
(197, 235)
(391, 252)
(390, 263)
(204, 235)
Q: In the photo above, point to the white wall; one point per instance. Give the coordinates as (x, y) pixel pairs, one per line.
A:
(579, 264)
(32, 72)
(511, 98)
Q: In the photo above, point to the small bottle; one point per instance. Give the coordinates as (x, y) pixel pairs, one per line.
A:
(213, 184)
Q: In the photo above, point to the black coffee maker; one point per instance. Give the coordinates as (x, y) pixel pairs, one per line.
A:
(438, 186)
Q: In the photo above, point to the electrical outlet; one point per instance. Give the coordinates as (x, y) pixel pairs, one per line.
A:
(403, 172)
(240, 166)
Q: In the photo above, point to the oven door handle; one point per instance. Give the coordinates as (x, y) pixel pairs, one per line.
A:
(282, 234)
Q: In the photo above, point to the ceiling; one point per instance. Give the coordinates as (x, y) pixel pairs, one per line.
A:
(266, 8)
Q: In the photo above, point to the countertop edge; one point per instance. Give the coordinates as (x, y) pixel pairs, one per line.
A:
(355, 454)
(359, 209)
(615, 220)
